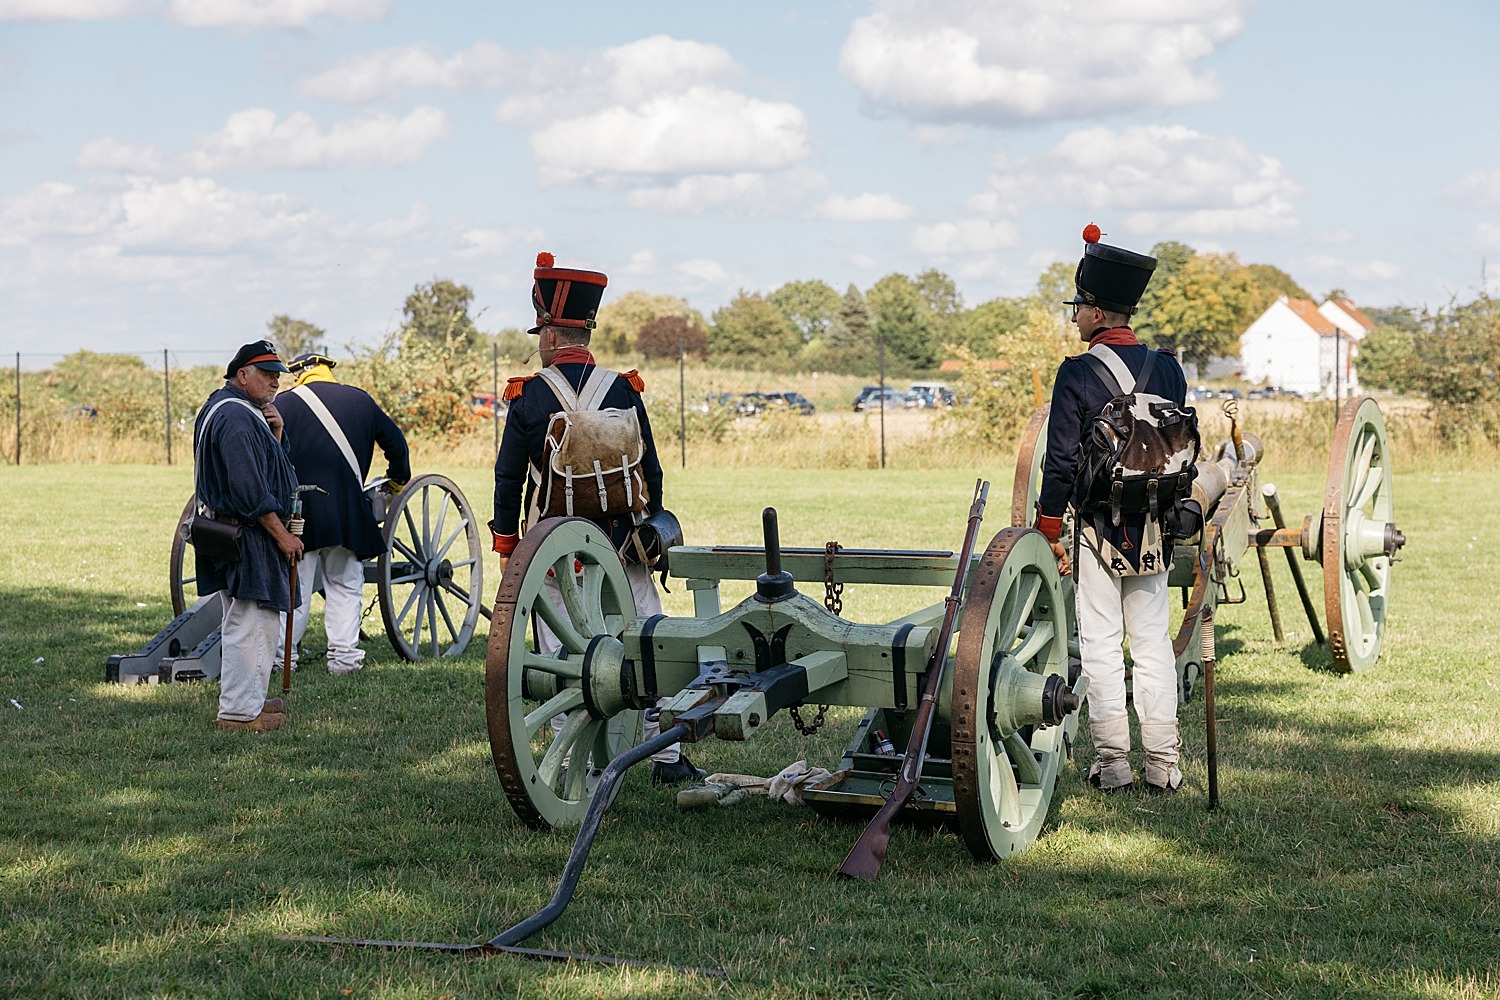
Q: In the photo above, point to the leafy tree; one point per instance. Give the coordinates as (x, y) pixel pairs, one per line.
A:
(1275, 283)
(809, 305)
(998, 402)
(661, 338)
(945, 306)
(751, 328)
(1054, 286)
(984, 327)
(513, 345)
(903, 319)
(295, 336)
(620, 321)
(1171, 258)
(850, 344)
(1202, 308)
(439, 312)
(1386, 359)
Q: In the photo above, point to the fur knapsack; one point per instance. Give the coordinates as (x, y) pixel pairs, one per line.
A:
(591, 457)
(1140, 452)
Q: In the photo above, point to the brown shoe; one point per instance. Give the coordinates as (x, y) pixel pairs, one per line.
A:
(263, 723)
(276, 705)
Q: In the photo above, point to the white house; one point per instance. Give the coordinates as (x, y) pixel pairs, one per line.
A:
(1343, 314)
(1297, 346)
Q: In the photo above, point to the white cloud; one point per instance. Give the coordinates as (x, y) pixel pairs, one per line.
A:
(255, 139)
(863, 261)
(1007, 61)
(1477, 190)
(1152, 179)
(641, 263)
(701, 131)
(370, 76)
(65, 10)
(965, 237)
(498, 243)
(272, 13)
(1488, 237)
(702, 272)
(864, 208)
(1343, 269)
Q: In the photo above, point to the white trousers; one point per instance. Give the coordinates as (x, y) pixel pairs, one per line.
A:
(247, 646)
(1109, 609)
(647, 602)
(343, 596)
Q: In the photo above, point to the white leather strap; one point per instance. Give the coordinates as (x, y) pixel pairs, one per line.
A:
(1124, 377)
(321, 411)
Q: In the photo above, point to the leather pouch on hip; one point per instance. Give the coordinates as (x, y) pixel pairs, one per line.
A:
(215, 539)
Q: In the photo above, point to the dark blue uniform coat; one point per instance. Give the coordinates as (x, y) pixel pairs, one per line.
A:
(343, 517)
(1078, 397)
(242, 470)
(526, 429)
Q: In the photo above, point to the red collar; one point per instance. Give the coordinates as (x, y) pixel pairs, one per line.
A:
(1116, 336)
(573, 356)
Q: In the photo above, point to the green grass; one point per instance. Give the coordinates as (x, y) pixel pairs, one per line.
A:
(143, 853)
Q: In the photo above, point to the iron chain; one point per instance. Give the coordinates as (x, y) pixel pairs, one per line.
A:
(833, 600)
(804, 728)
(833, 593)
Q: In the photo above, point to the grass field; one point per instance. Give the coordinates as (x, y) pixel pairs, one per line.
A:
(142, 853)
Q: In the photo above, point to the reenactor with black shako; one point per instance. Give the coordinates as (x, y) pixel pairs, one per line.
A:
(526, 479)
(1120, 556)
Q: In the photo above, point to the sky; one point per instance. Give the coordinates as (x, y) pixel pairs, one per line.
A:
(173, 173)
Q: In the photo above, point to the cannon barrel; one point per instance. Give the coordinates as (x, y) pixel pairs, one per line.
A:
(1214, 476)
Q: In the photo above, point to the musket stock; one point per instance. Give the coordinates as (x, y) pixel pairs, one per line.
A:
(868, 854)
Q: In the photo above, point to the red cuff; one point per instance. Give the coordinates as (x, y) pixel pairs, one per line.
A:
(1049, 526)
(504, 544)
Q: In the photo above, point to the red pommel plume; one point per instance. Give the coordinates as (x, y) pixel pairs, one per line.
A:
(545, 259)
(1091, 233)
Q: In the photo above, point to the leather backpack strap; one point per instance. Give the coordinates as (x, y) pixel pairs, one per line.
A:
(564, 392)
(596, 388)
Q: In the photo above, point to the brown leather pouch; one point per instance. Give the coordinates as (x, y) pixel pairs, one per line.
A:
(215, 539)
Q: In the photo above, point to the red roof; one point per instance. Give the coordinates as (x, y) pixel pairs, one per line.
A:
(1308, 313)
(1358, 316)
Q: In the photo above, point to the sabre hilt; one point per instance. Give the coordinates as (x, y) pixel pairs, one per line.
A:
(775, 584)
(297, 522)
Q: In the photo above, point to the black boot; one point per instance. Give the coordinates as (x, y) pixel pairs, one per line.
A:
(675, 773)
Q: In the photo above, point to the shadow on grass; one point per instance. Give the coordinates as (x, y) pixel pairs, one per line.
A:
(141, 851)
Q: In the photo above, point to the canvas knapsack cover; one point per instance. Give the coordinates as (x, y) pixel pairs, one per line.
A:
(1138, 464)
(591, 457)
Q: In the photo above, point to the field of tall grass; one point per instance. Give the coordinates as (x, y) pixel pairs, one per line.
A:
(834, 438)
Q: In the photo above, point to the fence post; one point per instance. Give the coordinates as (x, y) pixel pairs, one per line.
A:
(18, 408)
(882, 399)
(166, 383)
(682, 398)
(495, 392)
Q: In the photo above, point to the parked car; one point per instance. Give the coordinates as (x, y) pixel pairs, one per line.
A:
(484, 404)
(751, 403)
(872, 395)
(710, 401)
(794, 401)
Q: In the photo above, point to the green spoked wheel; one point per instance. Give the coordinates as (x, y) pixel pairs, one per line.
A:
(431, 574)
(181, 570)
(1358, 536)
(1014, 625)
(555, 651)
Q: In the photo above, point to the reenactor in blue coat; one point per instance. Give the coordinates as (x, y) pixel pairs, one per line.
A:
(243, 476)
(1120, 568)
(566, 302)
(334, 429)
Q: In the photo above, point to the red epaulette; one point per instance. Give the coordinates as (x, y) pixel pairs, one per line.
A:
(1167, 350)
(514, 386)
(634, 378)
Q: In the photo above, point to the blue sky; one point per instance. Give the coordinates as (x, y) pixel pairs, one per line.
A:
(175, 172)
